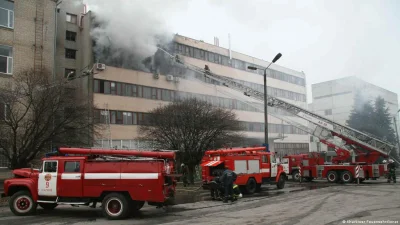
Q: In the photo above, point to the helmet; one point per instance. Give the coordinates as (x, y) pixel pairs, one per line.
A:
(391, 160)
(384, 161)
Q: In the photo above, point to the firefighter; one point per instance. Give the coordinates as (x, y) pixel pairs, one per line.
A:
(392, 171)
(185, 173)
(227, 178)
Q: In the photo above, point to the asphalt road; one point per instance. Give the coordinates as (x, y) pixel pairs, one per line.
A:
(296, 204)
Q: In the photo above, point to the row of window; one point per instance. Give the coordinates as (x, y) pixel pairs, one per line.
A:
(7, 14)
(140, 118)
(276, 92)
(272, 128)
(133, 90)
(235, 63)
(291, 145)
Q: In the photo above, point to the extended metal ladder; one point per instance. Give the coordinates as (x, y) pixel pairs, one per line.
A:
(323, 128)
(106, 113)
(38, 46)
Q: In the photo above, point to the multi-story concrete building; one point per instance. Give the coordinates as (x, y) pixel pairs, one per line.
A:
(28, 39)
(335, 99)
(130, 94)
(73, 44)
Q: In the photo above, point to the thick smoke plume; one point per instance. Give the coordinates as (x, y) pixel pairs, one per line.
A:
(127, 32)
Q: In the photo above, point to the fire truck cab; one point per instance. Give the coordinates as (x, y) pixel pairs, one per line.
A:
(121, 182)
(253, 167)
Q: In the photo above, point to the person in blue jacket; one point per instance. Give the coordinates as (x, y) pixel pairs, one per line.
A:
(228, 178)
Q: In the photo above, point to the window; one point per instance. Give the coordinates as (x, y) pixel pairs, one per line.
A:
(6, 13)
(70, 53)
(50, 167)
(6, 59)
(128, 90)
(72, 167)
(147, 92)
(96, 86)
(113, 117)
(127, 118)
(120, 119)
(113, 88)
(265, 159)
(328, 112)
(70, 73)
(273, 159)
(71, 18)
(70, 36)
(107, 87)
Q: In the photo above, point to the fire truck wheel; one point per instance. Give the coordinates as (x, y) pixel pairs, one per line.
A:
(251, 186)
(48, 206)
(332, 176)
(115, 206)
(281, 182)
(346, 177)
(296, 175)
(21, 203)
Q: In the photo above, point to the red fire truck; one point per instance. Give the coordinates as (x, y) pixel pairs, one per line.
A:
(294, 162)
(123, 180)
(253, 166)
(345, 166)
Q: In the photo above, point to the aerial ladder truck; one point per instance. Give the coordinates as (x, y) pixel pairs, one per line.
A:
(360, 152)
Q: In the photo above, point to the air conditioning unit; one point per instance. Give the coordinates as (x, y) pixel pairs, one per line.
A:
(176, 80)
(170, 78)
(101, 66)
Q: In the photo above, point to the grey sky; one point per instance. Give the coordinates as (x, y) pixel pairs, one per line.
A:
(325, 39)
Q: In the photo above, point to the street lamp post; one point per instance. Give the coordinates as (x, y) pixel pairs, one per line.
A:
(265, 97)
(395, 126)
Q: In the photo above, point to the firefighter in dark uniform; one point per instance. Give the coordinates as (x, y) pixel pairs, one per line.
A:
(185, 174)
(392, 171)
(227, 178)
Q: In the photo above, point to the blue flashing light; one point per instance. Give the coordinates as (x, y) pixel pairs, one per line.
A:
(266, 147)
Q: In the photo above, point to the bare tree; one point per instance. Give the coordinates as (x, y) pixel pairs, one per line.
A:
(40, 113)
(191, 126)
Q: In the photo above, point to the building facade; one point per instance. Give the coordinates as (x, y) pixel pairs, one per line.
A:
(27, 40)
(43, 34)
(335, 99)
(129, 94)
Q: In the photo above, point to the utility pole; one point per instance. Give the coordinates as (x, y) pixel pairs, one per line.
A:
(397, 133)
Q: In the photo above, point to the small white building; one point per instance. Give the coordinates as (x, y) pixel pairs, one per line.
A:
(335, 100)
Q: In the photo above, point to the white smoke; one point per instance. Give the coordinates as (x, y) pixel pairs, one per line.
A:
(129, 30)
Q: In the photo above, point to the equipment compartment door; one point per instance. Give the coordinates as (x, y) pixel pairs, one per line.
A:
(240, 167)
(274, 166)
(254, 166)
(47, 183)
(71, 179)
